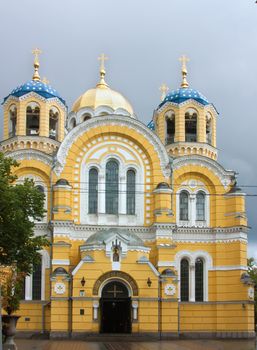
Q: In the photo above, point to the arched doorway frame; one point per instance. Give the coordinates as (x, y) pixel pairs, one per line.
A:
(118, 276)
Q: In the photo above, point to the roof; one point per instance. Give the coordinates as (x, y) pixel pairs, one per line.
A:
(183, 94)
(42, 89)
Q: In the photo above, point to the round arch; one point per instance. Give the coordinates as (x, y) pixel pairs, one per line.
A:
(118, 276)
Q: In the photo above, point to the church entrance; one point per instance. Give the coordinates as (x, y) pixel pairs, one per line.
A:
(115, 309)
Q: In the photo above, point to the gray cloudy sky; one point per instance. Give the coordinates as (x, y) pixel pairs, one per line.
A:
(143, 39)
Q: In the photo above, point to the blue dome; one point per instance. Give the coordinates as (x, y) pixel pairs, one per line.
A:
(38, 87)
(183, 94)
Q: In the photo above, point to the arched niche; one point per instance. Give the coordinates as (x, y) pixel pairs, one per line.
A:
(12, 120)
(53, 123)
(209, 128)
(32, 119)
(170, 127)
(191, 125)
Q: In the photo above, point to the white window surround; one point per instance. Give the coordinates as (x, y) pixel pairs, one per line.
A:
(108, 219)
(45, 264)
(192, 208)
(192, 257)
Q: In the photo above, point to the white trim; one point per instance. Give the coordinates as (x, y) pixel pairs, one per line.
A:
(147, 262)
(228, 268)
(115, 279)
(65, 262)
(192, 256)
(114, 120)
(192, 193)
(101, 218)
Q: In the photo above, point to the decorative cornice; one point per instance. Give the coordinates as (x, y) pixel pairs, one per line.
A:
(32, 95)
(30, 154)
(114, 120)
(170, 232)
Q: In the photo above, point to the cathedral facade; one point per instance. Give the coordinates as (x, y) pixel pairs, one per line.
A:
(148, 231)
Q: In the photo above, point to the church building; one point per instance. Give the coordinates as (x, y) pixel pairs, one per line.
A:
(148, 231)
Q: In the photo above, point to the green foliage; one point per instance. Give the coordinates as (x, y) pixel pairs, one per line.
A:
(21, 205)
(12, 290)
(252, 271)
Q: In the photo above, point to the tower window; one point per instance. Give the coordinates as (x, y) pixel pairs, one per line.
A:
(170, 127)
(53, 123)
(32, 118)
(12, 120)
(209, 129)
(191, 126)
(112, 187)
(183, 206)
(199, 279)
(184, 280)
(93, 191)
(200, 206)
(131, 192)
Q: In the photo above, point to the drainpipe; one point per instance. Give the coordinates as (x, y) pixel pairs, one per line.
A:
(70, 301)
(51, 224)
(159, 307)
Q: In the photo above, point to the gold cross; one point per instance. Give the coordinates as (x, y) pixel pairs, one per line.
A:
(36, 52)
(184, 59)
(102, 58)
(164, 89)
(45, 80)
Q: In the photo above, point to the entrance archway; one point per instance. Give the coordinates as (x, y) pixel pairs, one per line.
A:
(115, 308)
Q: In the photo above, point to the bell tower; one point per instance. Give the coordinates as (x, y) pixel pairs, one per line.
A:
(34, 115)
(185, 120)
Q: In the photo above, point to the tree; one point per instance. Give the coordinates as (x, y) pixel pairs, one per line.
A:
(21, 205)
(252, 271)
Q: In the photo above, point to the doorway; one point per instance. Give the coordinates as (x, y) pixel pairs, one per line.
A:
(115, 309)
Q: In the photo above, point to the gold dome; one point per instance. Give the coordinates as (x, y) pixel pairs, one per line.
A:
(102, 95)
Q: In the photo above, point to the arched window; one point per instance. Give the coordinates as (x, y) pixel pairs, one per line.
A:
(37, 282)
(170, 127)
(184, 280)
(93, 191)
(73, 123)
(12, 120)
(112, 187)
(86, 117)
(191, 126)
(32, 118)
(200, 206)
(199, 279)
(209, 129)
(131, 192)
(183, 206)
(53, 123)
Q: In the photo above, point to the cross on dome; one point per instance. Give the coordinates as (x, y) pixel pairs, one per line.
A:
(164, 89)
(36, 52)
(183, 59)
(102, 58)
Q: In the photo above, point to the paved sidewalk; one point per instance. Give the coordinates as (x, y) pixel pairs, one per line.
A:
(158, 345)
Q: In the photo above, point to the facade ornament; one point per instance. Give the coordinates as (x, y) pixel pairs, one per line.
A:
(170, 289)
(59, 288)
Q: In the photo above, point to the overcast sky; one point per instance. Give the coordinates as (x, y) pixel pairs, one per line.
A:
(143, 40)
